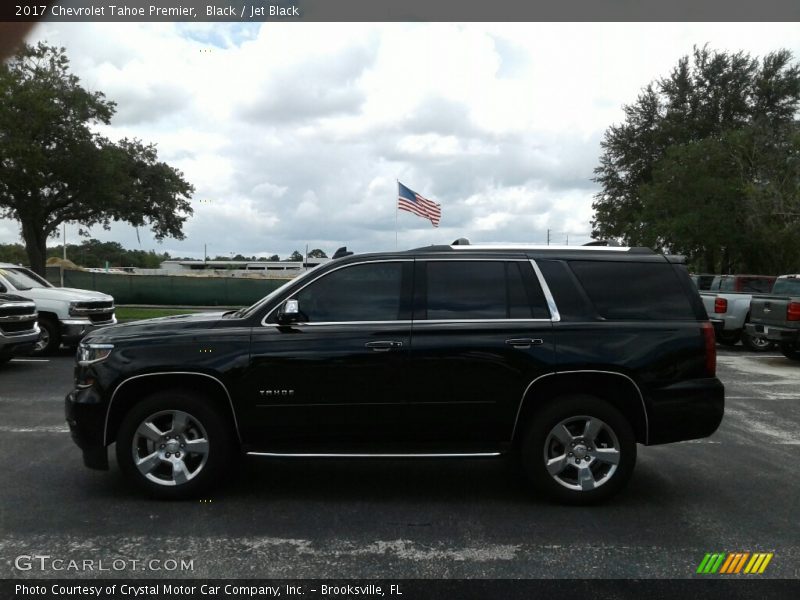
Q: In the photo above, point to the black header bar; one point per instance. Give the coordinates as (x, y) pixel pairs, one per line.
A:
(399, 10)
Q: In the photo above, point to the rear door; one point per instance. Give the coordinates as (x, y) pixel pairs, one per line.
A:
(481, 333)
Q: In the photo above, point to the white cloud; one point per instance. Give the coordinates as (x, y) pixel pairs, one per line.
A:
(296, 133)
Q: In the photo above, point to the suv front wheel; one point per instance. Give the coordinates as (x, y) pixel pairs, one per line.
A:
(579, 450)
(173, 445)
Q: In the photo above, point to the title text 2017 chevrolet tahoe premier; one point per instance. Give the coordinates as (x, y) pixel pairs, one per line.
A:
(566, 357)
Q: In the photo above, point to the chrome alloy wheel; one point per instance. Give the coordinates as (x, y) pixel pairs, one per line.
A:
(170, 447)
(43, 341)
(581, 453)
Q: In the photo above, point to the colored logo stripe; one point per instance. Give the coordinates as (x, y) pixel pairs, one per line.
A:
(722, 563)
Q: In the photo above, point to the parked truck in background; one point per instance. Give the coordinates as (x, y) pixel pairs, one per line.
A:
(18, 329)
(777, 316)
(65, 315)
(728, 299)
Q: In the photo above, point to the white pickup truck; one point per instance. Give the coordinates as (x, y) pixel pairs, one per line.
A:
(729, 301)
(65, 314)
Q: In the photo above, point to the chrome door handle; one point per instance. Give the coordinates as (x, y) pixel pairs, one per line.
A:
(383, 345)
(524, 342)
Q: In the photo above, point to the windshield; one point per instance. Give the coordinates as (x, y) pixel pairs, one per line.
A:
(23, 279)
(246, 312)
(786, 287)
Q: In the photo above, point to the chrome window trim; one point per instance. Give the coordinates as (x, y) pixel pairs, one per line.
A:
(113, 395)
(555, 316)
(376, 455)
(352, 264)
(541, 247)
(469, 259)
(635, 385)
(410, 322)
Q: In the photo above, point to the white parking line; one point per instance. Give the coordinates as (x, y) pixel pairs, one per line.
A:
(30, 360)
(35, 429)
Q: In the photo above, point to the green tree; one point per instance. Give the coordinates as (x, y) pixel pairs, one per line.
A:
(274, 258)
(54, 168)
(296, 256)
(317, 253)
(698, 153)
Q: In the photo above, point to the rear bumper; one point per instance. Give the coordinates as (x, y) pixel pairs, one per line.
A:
(86, 419)
(774, 333)
(719, 325)
(686, 411)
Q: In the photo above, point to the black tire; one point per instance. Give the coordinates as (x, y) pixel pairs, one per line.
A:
(575, 410)
(729, 338)
(790, 350)
(756, 343)
(204, 421)
(49, 338)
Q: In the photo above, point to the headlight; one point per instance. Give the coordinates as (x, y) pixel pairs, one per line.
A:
(91, 353)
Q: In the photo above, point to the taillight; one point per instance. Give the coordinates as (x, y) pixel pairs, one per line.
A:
(793, 311)
(711, 349)
(720, 305)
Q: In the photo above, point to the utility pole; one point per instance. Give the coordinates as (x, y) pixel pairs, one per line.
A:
(64, 246)
(548, 237)
(205, 253)
(567, 239)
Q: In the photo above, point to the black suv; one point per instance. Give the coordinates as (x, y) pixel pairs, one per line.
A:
(563, 356)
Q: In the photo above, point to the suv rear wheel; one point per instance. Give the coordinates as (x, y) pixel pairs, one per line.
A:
(579, 450)
(173, 445)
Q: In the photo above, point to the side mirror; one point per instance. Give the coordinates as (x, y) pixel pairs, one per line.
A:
(290, 312)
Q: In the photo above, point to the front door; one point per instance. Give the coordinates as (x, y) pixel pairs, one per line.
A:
(335, 380)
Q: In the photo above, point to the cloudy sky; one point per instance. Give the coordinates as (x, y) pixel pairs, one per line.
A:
(295, 133)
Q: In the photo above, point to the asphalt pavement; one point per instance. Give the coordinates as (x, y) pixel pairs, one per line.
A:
(738, 491)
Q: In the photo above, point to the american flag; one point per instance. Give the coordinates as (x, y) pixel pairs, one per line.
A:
(414, 203)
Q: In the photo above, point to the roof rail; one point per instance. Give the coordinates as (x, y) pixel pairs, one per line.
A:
(602, 243)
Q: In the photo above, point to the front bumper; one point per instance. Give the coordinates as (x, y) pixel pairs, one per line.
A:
(73, 330)
(687, 410)
(18, 345)
(774, 333)
(86, 414)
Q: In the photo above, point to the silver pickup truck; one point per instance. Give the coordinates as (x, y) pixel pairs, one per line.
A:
(18, 328)
(729, 300)
(777, 316)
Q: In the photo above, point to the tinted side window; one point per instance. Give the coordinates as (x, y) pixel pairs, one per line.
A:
(466, 290)
(482, 290)
(624, 290)
(367, 292)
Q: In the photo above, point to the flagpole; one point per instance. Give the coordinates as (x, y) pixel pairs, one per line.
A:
(395, 214)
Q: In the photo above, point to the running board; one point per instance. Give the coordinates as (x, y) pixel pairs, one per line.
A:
(363, 455)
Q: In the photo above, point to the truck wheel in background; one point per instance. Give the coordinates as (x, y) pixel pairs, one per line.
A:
(756, 343)
(790, 350)
(729, 338)
(49, 338)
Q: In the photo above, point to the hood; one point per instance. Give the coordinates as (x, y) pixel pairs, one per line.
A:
(65, 294)
(4, 298)
(159, 326)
